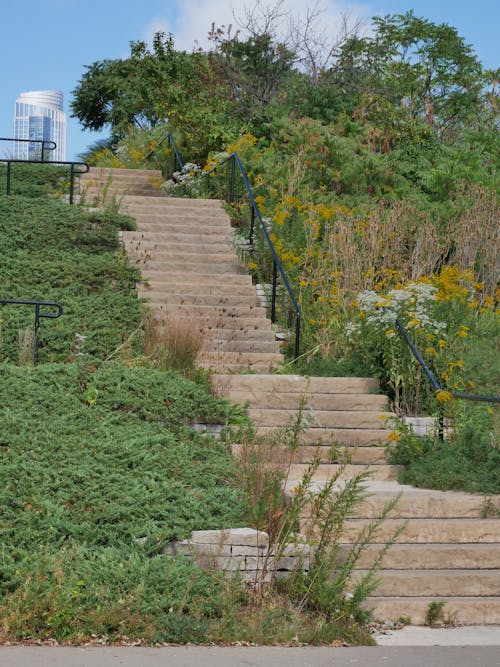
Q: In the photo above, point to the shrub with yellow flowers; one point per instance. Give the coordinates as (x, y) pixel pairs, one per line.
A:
(440, 314)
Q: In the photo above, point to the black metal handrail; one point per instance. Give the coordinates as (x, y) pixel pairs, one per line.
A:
(277, 266)
(435, 384)
(236, 164)
(73, 171)
(431, 377)
(38, 315)
(46, 144)
(168, 137)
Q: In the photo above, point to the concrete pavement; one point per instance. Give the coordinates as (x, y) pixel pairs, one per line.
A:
(196, 656)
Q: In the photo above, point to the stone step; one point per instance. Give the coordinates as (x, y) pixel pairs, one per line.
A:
(180, 289)
(191, 254)
(98, 189)
(121, 172)
(222, 269)
(167, 277)
(459, 610)
(166, 297)
(146, 206)
(289, 401)
(303, 385)
(161, 232)
(257, 325)
(414, 502)
(340, 454)
(163, 241)
(268, 345)
(420, 531)
(243, 358)
(182, 203)
(153, 216)
(425, 503)
(319, 418)
(437, 583)
(407, 557)
(333, 436)
(225, 336)
(191, 251)
(213, 312)
(326, 471)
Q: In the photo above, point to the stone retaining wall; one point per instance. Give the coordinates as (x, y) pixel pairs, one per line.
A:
(242, 550)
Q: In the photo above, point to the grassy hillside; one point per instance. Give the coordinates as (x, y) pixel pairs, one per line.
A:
(98, 466)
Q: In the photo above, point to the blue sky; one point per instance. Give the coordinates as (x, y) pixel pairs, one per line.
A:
(45, 44)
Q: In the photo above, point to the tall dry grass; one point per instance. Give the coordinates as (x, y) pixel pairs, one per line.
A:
(172, 344)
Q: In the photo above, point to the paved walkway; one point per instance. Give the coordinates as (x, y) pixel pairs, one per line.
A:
(377, 656)
(479, 635)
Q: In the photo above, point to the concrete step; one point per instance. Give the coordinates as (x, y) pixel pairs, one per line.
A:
(165, 297)
(245, 345)
(162, 235)
(223, 269)
(459, 610)
(256, 325)
(447, 583)
(213, 312)
(423, 503)
(303, 385)
(136, 241)
(292, 401)
(228, 335)
(217, 251)
(190, 220)
(183, 203)
(414, 502)
(333, 436)
(421, 531)
(408, 557)
(326, 471)
(120, 172)
(321, 418)
(167, 277)
(243, 358)
(119, 189)
(213, 290)
(356, 455)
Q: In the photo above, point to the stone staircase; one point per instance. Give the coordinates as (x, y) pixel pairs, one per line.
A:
(192, 274)
(449, 548)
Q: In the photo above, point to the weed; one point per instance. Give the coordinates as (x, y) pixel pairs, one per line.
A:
(404, 620)
(434, 612)
(490, 508)
(326, 585)
(26, 343)
(172, 344)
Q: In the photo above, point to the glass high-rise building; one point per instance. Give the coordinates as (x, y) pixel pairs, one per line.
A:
(39, 115)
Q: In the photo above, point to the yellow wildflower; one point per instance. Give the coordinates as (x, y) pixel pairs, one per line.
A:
(443, 396)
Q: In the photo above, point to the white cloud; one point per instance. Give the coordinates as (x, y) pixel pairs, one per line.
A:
(190, 20)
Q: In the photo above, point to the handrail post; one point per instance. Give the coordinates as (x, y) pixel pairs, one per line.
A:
(37, 334)
(252, 227)
(273, 296)
(71, 183)
(43, 151)
(38, 315)
(232, 179)
(441, 424)
(8, 177)
(297, 337)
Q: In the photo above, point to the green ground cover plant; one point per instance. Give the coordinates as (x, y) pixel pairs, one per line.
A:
(55, 252)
